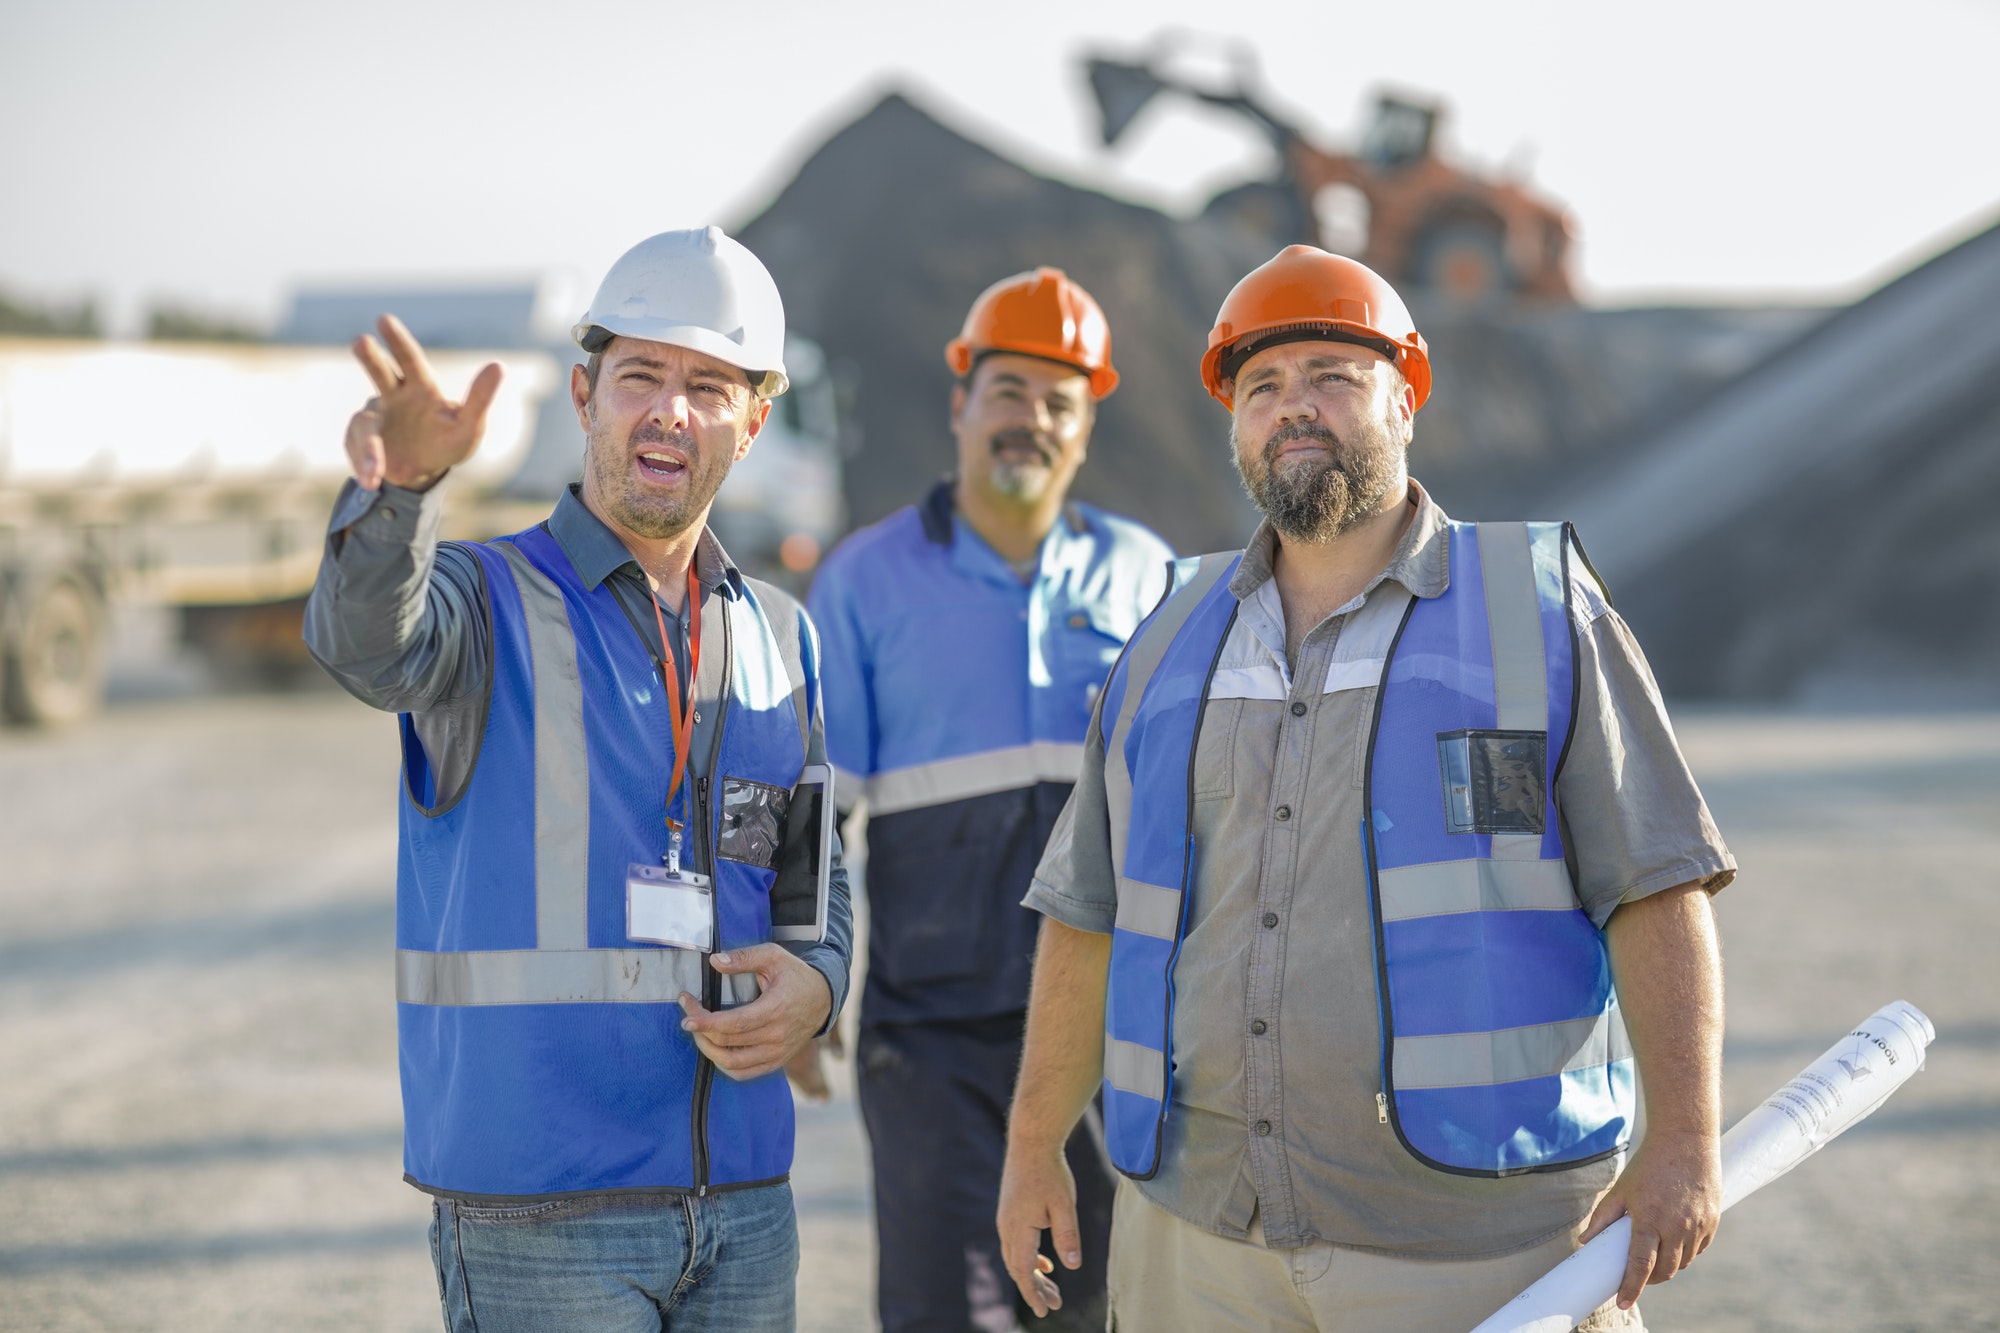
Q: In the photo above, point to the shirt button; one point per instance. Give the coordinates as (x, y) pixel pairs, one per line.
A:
(1298, 710)
(1078, 621)
(1270, 920)
(1262, 1127)
(388, 513)
(1257, 1028)
(1284, 812)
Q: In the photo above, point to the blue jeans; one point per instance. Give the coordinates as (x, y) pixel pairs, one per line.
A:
(729, 1261)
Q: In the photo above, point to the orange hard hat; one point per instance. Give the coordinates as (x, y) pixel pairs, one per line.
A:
(1041, 314)
(1305, 294)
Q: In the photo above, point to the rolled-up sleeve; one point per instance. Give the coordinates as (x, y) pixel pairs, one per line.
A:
(1634, 822)
(1075, 882)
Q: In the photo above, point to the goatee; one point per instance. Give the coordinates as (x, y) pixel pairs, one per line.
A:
(1315, 498)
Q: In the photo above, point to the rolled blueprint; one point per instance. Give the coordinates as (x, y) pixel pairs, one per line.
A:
(1796, 1121)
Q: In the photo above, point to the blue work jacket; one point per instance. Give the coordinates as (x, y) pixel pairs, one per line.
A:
(957, 696)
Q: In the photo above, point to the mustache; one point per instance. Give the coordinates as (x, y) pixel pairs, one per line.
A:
(1026, 437)
(1300, 430)
(648, 432)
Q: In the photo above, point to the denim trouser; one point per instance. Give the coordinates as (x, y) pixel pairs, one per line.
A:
(729, 1261)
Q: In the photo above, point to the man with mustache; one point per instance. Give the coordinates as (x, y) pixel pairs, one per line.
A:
(604, 724)
(966, 637)
(1382, 873)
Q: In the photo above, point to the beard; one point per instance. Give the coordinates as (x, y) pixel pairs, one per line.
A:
(1316, 499)
(642, 511)
(1016, 477)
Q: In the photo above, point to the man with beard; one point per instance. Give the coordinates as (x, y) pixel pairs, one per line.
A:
(1382, 874)
(603, 726)
(966, 638)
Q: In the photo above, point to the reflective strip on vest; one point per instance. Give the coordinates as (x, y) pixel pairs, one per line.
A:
(1443, 887)
(1469, 1059)
(558, 976)
(1148, 909)
(970, 775)
(1138, 1075)
(1130, 1067)
(562, 764)
(1520, 671)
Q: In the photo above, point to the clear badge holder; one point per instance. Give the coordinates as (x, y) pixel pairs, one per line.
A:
(669, 905)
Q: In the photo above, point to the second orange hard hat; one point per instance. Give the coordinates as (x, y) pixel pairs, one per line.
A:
(1041, 313)
(1305, 292)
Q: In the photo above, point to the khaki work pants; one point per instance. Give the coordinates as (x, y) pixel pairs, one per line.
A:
(1168, 1274)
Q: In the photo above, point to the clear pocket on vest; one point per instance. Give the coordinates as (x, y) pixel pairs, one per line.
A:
(753, 821)
(1493, 780)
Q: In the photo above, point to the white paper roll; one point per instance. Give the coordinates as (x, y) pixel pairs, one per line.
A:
(1826, 1099)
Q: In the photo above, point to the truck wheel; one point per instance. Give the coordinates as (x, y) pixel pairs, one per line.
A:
(1465, 261)
(55, 666)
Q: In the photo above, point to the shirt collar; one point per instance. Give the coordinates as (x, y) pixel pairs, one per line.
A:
(944, 526)
(598, 554)
(1421, 563)
(937, 510)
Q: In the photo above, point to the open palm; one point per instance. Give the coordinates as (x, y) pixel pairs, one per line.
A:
(410, 434)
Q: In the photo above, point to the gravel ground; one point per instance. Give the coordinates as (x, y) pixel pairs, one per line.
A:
(199, 1122)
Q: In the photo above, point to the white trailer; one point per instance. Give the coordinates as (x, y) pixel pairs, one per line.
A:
(200, 478)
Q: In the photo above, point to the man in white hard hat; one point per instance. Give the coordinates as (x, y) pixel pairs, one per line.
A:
(610, 889)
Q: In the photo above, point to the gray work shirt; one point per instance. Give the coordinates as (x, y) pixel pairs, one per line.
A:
(399, 619)
(1280, 930)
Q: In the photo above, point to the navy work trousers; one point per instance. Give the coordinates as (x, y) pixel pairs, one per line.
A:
(934, 1097)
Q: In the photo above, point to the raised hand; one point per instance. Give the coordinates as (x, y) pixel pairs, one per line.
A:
(410, 434)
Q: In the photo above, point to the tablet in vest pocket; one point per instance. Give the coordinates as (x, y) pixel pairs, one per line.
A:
(1493, 780)
(665, 907)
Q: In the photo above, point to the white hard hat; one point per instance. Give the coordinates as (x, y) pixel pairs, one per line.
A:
(696, 289)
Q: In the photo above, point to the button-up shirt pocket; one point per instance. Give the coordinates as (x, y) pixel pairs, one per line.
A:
(1215, 750)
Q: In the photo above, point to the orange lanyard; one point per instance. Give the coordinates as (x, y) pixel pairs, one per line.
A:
(682, 718)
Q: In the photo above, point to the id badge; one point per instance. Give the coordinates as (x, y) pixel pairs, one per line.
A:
(672, 907)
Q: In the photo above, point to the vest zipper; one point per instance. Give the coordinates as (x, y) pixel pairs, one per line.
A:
(711, 980)
(1381, 1108)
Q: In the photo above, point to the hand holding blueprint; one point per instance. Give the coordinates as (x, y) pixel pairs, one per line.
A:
(1823, 1101)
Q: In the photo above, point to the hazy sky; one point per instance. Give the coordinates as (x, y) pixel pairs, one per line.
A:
(215, 152)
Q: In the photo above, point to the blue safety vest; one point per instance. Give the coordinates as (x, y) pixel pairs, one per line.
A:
(1502, 1047)
(541, 1049)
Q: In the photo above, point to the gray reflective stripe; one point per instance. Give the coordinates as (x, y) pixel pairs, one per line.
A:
(972, 775)
(1141, 660)
(1479, 1059)
(562, 763)
(1130, 1067)
(558, 976)
(547, 976)
(1439, 888)
(1362, 650)
(1514, 620)
(790, 649)
(1148, 909)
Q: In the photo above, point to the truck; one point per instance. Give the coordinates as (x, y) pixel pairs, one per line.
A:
(200, 477)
